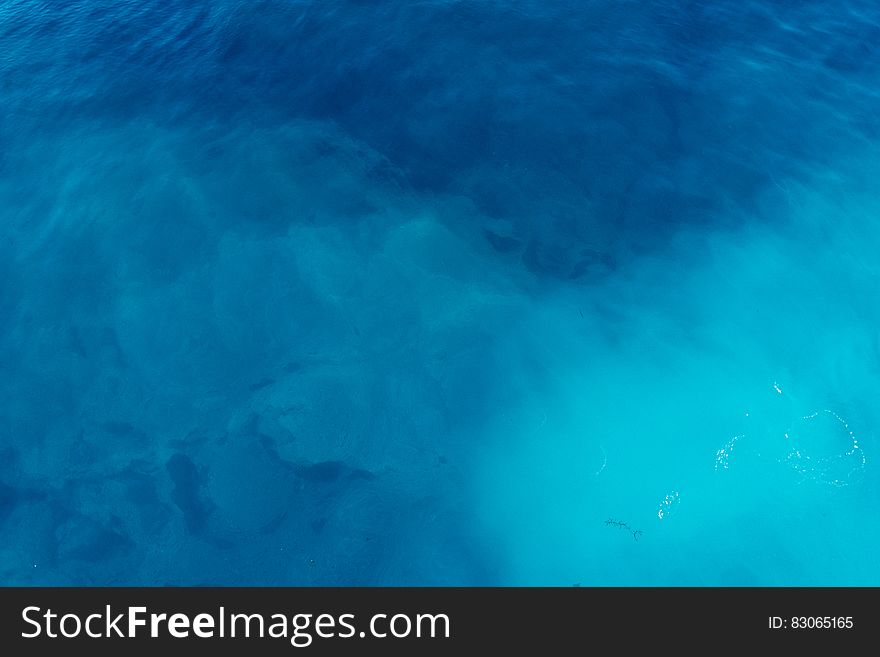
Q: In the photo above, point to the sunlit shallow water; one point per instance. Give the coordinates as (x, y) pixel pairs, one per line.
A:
(439, 293)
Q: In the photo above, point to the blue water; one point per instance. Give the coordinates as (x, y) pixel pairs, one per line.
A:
(327, 292)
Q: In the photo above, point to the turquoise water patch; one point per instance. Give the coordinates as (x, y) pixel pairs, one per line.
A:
(441, 293)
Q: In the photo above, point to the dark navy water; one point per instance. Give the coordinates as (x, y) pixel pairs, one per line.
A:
(300, 292)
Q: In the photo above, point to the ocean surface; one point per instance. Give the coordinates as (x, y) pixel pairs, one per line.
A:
(439, 292)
